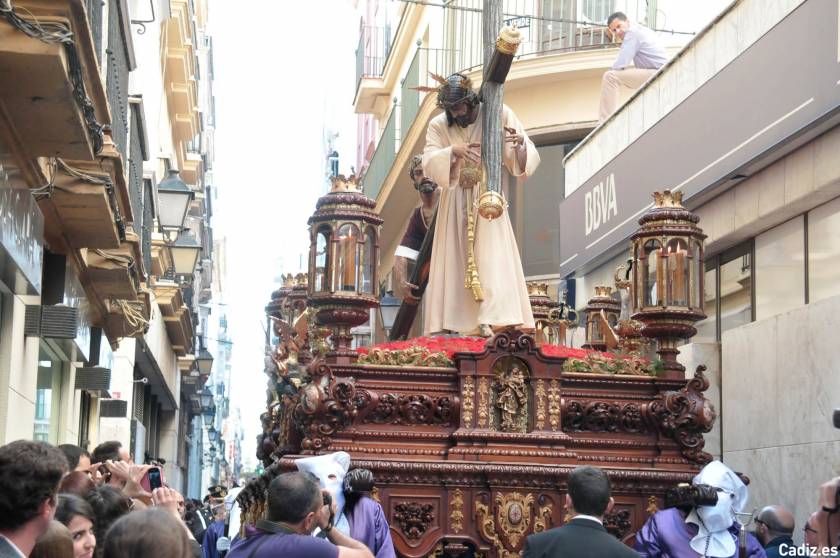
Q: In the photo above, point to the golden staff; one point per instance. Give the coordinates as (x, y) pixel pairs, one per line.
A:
(470, 177)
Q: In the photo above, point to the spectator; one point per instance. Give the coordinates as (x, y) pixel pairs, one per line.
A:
(55, 543)
(216, 529)
(196, 519)
(29, 477)
(77, 515)
(810, 531)
(170, 500)
(639, 45)
(709, 530)
(147, 533)
(111, 451)
(295, 508)
(77, 458)
(587, 500)
(76, 482)
(774, 529)
(108, 504)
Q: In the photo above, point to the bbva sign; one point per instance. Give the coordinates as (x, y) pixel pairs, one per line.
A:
(600, 204)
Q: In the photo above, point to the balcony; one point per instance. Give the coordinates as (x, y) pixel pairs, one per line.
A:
(176, 315)
(372, 52)
(51, 90)
(179, 72)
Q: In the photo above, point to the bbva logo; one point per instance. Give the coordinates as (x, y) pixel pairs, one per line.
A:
(600, 204)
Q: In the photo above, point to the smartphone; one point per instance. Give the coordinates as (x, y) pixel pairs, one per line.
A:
(152, 479)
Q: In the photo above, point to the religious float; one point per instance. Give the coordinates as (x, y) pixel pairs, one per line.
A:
(471, 440)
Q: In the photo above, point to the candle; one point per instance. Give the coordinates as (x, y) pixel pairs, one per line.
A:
(660, 277)
(679, 275)
(348, 264)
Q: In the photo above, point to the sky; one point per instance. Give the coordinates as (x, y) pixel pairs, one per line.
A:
(283, 70)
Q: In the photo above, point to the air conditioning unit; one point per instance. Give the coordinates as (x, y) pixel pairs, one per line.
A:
(51, 322)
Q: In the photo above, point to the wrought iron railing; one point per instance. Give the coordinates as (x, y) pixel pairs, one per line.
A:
(547, 26)
(135, 170)
(372, 51)
(117, 78)
(94, 13)
(383, 157)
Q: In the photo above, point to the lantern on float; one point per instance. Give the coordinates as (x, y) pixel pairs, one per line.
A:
(343, 260)
(542, 306)
(601, 317)
(668, 276)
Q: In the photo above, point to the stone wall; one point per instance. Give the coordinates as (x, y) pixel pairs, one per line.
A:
(780, 384)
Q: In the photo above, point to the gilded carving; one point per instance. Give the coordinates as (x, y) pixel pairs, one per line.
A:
(467, 401)
(514, 516)
(653, 505)
(413, 518)
(456, 511)
(510, 398)
(414, 356)
(554, 405)
(483, 402)
(540, 394)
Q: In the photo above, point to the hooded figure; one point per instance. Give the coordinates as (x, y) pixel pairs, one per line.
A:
(708, 531)
(330, 470)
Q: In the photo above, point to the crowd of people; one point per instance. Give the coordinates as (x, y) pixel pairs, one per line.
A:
(61, 502)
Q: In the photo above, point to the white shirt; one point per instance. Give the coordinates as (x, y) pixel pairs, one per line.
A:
(589, 517)
(642, 47)
(12, 546)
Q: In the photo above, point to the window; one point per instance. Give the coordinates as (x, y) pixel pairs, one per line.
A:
(824, 251)
(735, 288)
(707, 329)
(47, 397)
(780, 269)
(320, 256)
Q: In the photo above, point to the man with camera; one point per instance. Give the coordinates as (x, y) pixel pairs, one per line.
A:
(774, 528)
(699, 520)
(296, 506)
(588, 499)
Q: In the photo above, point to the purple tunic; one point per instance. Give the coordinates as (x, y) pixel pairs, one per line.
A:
(286, 545)
(214, 531)
(369, 526)
(667, 535)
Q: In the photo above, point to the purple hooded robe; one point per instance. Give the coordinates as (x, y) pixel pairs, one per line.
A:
(667, 535)
(369, 526)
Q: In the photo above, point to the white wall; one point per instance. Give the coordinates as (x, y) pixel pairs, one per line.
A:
(18, 370)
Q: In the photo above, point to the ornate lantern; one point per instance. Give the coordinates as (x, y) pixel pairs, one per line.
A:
(601, 318)
(668, 276)
(541, 306)
(343, 260)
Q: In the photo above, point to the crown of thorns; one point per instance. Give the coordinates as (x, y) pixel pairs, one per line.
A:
(455, 89)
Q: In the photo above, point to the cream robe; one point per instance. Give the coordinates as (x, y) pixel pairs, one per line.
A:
(450, 306)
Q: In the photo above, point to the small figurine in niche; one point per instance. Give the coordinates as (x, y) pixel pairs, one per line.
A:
(511, 398)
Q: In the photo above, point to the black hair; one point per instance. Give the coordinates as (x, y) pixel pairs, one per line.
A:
(108, 505)
(291, 496)
(589, 489)
(620, 16)
(70, 505)
(29, 475)
(105, 451)
(72, 453)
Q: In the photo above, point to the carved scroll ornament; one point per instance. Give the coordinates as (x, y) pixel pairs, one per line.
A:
(514, 516)
(324, 405)
(412, 409)
(685, 415)
(413, 518)
(468, 404)
(603, 416)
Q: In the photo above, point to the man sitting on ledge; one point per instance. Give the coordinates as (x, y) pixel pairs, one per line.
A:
(640, 46)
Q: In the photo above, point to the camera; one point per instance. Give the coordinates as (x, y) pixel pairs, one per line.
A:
(691, 496)
(327, 498)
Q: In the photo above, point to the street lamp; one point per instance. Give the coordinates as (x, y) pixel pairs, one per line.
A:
(212, 452)
(174, 198)
(389, 305)
(212, 435)
(204, 362)
(184, 253)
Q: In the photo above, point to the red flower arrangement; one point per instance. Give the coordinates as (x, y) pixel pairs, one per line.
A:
(452, 345)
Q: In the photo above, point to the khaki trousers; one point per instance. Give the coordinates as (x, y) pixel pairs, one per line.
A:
(612, 82)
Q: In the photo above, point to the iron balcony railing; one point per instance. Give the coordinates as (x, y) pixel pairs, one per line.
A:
(547, 26)
(94, 13)
(117, 59)
(372, 51)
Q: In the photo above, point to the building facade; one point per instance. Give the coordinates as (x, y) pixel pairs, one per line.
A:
(101, 294)
(750, 136)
